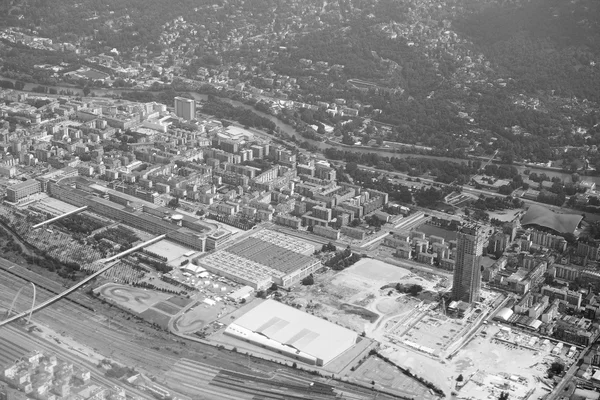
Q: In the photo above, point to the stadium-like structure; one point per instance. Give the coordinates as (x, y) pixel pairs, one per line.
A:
(543, 217)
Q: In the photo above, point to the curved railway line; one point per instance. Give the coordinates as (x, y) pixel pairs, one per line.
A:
(41, 283)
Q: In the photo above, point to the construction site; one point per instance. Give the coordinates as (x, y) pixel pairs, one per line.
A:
(414, 330)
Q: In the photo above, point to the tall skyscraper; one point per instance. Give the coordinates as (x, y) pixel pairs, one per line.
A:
(467, 270)
(185, 108)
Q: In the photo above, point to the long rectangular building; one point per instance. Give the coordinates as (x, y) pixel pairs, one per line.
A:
(283, 259)
(293, 333)
(22, 190)
(129, 216)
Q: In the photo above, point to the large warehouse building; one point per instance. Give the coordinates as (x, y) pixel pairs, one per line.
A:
(293, 333)
(264, 258)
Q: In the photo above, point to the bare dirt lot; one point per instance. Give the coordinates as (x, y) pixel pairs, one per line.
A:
(497, 363)
(488, 366)
(354, 297)
(387, 376)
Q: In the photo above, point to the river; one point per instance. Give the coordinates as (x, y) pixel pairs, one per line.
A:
(551, 173)
(291, 131)
(288, 129)
(283, 127)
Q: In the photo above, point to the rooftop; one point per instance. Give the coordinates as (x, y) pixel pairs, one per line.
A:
(270, 255)
(542, 216)
(297, 329)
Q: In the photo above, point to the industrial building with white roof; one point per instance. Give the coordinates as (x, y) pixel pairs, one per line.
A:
(293, 333)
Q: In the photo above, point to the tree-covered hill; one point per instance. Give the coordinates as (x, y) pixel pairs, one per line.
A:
(542, 44)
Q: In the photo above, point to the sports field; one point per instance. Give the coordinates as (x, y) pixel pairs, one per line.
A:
(92, 74)
(180, 301)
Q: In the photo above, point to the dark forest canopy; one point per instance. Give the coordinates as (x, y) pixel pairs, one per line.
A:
(542, 44)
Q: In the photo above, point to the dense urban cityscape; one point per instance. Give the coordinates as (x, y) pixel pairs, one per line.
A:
(299, 200)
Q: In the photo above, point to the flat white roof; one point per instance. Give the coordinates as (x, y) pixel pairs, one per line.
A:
(298, 330)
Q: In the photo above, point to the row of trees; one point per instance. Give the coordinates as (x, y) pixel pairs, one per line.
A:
(342, 260)
(79, 223)
(224, 110)
(444, 170)
(160, 266)
(165, 95)
(494, 203)
(413, 290)
(123, 236)
(428, 197)
(66, 270)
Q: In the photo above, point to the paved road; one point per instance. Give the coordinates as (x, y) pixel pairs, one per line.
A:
(558, 391)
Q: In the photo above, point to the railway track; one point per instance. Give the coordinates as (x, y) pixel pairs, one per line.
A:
(42, 283)
(13, 336)
(220, 377)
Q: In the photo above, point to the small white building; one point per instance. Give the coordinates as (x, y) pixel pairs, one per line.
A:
(242, 293)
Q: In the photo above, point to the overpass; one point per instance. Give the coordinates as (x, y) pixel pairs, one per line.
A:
(489, 161)
(131, 250)
(59, 217)
(79, 284)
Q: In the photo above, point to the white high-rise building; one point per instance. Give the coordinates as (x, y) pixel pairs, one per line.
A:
(185, 108)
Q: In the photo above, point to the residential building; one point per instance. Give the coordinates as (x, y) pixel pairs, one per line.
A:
(467, 270)
(185, 108)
